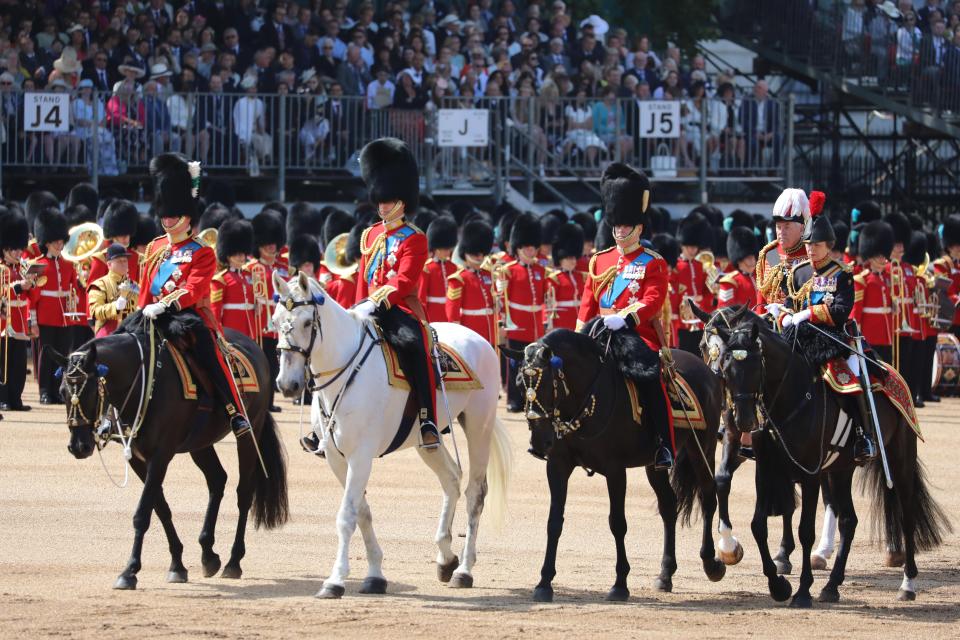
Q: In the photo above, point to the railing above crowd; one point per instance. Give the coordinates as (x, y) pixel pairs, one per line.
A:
(459, 142)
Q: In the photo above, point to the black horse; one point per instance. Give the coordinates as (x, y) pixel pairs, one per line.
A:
(112, 372)
(763, 371)
(580, 414)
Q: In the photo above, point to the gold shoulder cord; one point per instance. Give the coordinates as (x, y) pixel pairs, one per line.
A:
(770, 287)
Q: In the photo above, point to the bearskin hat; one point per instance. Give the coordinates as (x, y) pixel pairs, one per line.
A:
(865, 211)
(695, 231)
(668, 248)
(86, 194)
(36, 202)
(279, 207)
(50, 226)
(916, 248)
(460, 209)
(568, 242)
(235, 236)
(305, 249)
(588, 223)
(79, 214)
(442, 233)
(147, 230)
(842, 233)
(604, 238)
(550, 223)
(624, 195)
(476, 237)
(14, 232)
(875, 239)
(525, 232)
(214, 216)
(423, 218)
(338, 221)
(353, 243)
(741, 243)
(390, 172)
(719, 246)
(934, 246)
(738, 218)
(505, 226)
(120, 219)
(950, 231)
(901, 227)
(304, 220)
(477, 214)
(268, 229)
(713, 215)
(173, 186)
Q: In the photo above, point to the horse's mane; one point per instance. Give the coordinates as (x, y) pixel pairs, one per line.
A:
(565, 340)
(172, 326)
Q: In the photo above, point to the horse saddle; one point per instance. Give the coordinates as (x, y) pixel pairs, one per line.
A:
(193, 377)
(838, 376)
(684, 405)
(457, 374)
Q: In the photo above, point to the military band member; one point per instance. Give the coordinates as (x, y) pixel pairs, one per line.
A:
(738, 288)
(337, 223)
(268, 239)
(36, 202)
(564, 282)
(901, 281)
(441, 240)
(549, 225)
(669, 249)
(588, 223)
(948, 266)
(120, 222)
(147, 230)
(790, 213)
(628, 287)
(304, 257)
(16, 326)
(112, 297)
(470, 290)
(343, 287)
(930, 322)
(694, 235)
(914, 258)
(872, 308)
(231, 294)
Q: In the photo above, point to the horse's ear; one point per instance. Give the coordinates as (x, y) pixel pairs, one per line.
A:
(55, 355)
(280, 285)
(304, 282)
(754, 331)
(697, 311)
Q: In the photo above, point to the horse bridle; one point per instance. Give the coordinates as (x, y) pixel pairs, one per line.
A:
(535, 375)
(286, 328)
(76, 375)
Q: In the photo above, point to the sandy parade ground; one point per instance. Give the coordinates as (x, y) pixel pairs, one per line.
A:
(66, 532)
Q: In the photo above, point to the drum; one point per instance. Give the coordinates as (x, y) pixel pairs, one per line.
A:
(946, 365)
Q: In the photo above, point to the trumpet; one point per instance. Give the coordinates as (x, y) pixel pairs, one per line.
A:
(501, 277)
(710, 269)
(550, 307)
(260, 297)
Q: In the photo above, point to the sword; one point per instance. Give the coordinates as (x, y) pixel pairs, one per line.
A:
(844, 345)
(873, 407)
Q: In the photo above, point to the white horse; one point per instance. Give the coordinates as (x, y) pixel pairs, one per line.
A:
(322, 341)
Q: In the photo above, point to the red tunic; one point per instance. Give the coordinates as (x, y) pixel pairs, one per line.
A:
(343, 289)
(16, 321)
(871, 308)
(525, 288)
(736, 288)
(567, 288)
(51, 299)
(179, 275)
(692, 285)
(433, 288)
(471, 302)
(260, 276)
(391, 263)
(231, 300)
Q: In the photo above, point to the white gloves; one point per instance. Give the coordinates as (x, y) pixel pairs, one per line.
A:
(775, 309)
(365, 309)
(796, 318)
(501, 285)
(121, 303)
(152, 311)
(614, 322)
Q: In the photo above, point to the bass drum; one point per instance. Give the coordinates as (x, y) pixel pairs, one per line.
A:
(946, 365)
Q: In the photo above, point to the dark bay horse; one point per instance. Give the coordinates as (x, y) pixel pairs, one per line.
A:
(801, 419)
(578, 391)
(111, 373)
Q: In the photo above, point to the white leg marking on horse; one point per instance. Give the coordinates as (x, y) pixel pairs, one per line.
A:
(728, 543)
(358, 473)
(364, 519)
(908, 584)
(827, 534)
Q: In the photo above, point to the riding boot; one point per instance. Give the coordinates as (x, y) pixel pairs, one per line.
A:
(207, 352)
(658, 416)
(864, 448)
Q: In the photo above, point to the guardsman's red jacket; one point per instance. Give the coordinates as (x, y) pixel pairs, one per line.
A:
(525, 288)
(872, 308)
(471, 302)
(179, 275)
(691, 282)
(950, 268)
(567, 288)
(16, 321)
(260, 276)
(343, 289)
(433, 288)
(50, 298)
(736, 288)
(232, 302)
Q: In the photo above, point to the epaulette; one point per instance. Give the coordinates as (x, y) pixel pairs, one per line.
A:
(768, 247)
(218, 276)
(593, 262)
(415, 228)
(553, 275)
(653, 253)
(729, 278)
(861, 278)
(363, 242)
(456, 275)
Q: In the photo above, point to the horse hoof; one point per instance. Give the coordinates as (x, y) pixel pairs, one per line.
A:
(829, 595)
(780, 589)
(663, 585)
(732, 557)
(373, 586)
(178, 576)
(893, 559)
(906, 596)
(126, 583)
(543, 594)
(801, 601)
(461, 581)
(784, 567)
(332, 592)
(445, 571)
(618, 594)
(210, 567)
(715, 569)
(818, 562)
(231, 572)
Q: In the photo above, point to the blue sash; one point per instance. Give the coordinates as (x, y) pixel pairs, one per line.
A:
(168, 266)
(392, 242)
(636, 269)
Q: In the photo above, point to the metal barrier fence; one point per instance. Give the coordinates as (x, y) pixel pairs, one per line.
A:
(535, 138)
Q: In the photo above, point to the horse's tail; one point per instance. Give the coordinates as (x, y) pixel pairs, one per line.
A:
(270, 506)
(930, 519)
(684, 479)
(499, 470)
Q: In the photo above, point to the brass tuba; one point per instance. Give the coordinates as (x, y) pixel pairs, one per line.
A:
(335, 256)
(84, 241)
(710, 269)
(209, 237)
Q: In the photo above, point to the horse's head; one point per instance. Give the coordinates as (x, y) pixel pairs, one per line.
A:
(716, 331)
(82, 387)
(741, 365)
(539, 374)
(297, 318)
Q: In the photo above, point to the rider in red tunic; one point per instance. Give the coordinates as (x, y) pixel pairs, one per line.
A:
(441, 240)
(393, 253)
(177, 270)
(628, 286)
(471, 300)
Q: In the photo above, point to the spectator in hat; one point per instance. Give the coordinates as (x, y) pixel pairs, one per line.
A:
(88, 115)
(67, 68)
(249, 124)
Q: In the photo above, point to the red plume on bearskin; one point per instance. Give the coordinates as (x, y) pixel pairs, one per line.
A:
(817, 200)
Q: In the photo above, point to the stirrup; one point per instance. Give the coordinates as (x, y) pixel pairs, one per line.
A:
(240, 426)
(428, 429)
(663, 460)
(864, 450)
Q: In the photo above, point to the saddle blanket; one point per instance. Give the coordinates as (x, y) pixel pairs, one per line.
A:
(686, 410)
(243, 371)
(457, 374)
(840, 378)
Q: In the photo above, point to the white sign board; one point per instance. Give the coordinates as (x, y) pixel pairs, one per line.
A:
(659, 119)
(463, 128)
(46, 112)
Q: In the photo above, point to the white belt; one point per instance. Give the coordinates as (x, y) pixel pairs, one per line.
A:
(16, 303)
(436, 300)
(567, 304)
(532, 308)
(238, 306)
(476, 312)
(876, 310)
(54, 294)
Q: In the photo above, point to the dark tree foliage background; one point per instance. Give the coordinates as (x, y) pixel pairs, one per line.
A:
(680, 21)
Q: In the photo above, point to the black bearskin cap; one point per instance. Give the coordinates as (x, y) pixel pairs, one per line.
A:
(901, 227)
(214, 216)
(950, 234)
(934, 246)
(338, 221)
(713, 215)
(668, 248)
(390, 172)
(741, 243)
(235, 236)
(304, 220)
(173, 187)
(550, 223)
(525, 232)
(625, 195)
(738, 218)
(83, 193)
(442, 233)
(604, 238)
(120, 219)
(876, 239)
(79, 214)
(568, 242)
(695, 230)
(460, 210)
(147, 229)
(719, 243)
(353, 243)
(865, 211)
(14, 233)
(588, 223)
(423, 218)
(916, 249)
(268, 229)
(37, 202)
(476, 237)
(303, 250)
(842, 233)
(50, 226)
(505, 226)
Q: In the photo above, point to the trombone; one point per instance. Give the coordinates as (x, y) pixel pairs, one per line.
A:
(550, 307)
(501, 276)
